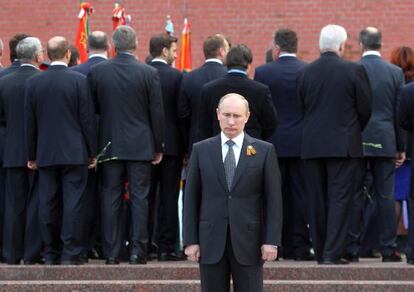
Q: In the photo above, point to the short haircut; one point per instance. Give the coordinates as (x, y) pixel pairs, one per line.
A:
(241, 97)
(287, 40)
(13, 44)
(159, 42)
(212, 46)
(74, 56)
(58, 50)
(28, 48)
(370, 38)
(331, 37)
(239, 56)
(124, 39)
(98, 41)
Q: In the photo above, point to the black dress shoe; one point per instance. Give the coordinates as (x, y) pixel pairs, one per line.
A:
(392, 258)
(410, 261)
(168, 256)
(351, 257)
(52, 262)
(305, 257)
(34, 262)
(112, 261)
(75, 262)
(333, 262)
(137, 260)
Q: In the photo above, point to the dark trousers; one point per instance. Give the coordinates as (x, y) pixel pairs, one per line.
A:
(114, 174)
(410, 240)
(329, 185)
(167, 174)
(295, 234)
(90, 211)
(71, 180)
(21, 236)
(2, 202)
(216, 277)
(383, 178)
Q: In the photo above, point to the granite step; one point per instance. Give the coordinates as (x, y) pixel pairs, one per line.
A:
(285, 271)
(194, 286)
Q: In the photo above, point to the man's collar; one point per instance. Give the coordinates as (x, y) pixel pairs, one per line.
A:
(159, 60)
(29, 65)
(238, 140)
(214, 60)
(239, 71)
(55, 63)
(98, 55)
(287, 55)
(371, 53)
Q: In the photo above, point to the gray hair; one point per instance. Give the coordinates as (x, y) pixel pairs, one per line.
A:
(331, 38)
(124, 39)
(238, 96)
(28, 48)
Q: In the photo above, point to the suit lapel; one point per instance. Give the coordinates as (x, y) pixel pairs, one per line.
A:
(217, 160)
(243, 160)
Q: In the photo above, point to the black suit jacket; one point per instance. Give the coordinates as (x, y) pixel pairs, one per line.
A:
(190, 96)
(281, 77)
(170, 79)
(128, 98)
(406, 113)
(6, 71)
(382, 136)
(336, 103)
(253, 207)
(59, 118)
(262, 121)
(86, 67)
(12, 89)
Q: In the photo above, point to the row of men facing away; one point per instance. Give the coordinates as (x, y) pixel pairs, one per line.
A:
(113, 85)
(132, 117)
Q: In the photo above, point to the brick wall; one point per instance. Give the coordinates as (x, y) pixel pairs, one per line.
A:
(251, 22)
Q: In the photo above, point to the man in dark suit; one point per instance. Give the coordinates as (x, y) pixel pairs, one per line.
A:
(336, 102)
(166, 175)
(21, 241)
(281, 76)
(98, 49)
(233, 206)
(129, 100)
(406, 120)
(13, 67)
(383, 144)
(215, 50)
(60, 143)
(262, 121)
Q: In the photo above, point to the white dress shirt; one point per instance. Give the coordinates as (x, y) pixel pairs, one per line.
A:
(55, 63)
(372, 53)
(214, 60)
(237, 147)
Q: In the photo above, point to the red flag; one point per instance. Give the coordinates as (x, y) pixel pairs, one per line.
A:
(119, 16)
(83, 30)
(184, 59)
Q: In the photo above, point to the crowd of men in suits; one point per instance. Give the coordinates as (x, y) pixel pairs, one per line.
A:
(72, 137)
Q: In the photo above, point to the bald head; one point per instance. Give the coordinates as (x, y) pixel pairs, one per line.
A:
(58, 49)
(370, 38)
(97, 42)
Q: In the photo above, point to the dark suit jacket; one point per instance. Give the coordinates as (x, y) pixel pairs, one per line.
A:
(190, 96)
(406, 113)
(281, 76)
(59, 118)
(86, 67)
(262, 121)
(12, 89)
(336, 102)
(386, 81)
(170, 79)
(128, 97)
(12, 68)
(252, 209)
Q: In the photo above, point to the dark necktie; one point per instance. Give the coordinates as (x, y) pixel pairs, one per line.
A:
(230, 164)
